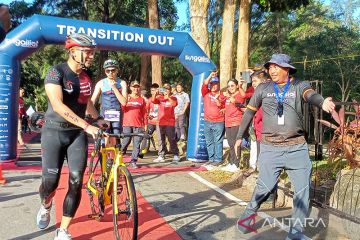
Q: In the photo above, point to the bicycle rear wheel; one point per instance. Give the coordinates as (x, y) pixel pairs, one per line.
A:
(96, 202)
(124, 200)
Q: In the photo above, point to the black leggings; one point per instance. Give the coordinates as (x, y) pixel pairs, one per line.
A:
(55, 145)
(231, 133)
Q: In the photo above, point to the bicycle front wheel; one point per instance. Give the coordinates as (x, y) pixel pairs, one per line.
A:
(125, 212)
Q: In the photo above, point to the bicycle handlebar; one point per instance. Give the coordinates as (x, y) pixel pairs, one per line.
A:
(122, 135)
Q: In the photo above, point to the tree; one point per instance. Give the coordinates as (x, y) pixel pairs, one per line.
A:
(154, 23)
(199, 23)
(244, 25)
(242, 51)
(227, 42)
(345, 10)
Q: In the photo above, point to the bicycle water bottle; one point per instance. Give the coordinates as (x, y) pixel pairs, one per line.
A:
(109, 163)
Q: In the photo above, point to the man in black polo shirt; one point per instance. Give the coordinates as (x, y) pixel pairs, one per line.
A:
(283, 144)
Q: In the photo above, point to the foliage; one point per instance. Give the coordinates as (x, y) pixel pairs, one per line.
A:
(322, 35)
(314, 34)
(130, 12)
(174, 72)
(280, 5)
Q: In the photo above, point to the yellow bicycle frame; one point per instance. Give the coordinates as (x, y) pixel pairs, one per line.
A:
(113, 175)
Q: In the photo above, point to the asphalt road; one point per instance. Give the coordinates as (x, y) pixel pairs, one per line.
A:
(189, 206)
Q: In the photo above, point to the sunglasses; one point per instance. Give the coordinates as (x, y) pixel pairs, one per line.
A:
(87, 51)
(110, 70)
(280, 109)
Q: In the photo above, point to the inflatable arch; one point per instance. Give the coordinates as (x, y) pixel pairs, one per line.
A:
(39, 30)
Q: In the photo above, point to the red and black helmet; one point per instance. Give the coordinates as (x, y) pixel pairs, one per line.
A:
(79, 40)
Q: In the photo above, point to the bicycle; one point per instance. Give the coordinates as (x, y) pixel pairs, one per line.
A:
(112, 184)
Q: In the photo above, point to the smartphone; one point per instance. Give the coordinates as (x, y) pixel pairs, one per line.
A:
(246, 76)
(162, 90)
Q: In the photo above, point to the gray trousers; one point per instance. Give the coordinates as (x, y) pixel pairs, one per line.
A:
(136, 143)
(296, 162)
(162, 133)
(180, 127)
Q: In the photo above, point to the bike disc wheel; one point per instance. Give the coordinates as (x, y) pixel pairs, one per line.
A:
(126, 220)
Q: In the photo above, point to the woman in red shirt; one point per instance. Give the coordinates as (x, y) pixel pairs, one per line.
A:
(233, 114)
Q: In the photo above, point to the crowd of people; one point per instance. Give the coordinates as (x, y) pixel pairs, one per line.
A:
(272, 121)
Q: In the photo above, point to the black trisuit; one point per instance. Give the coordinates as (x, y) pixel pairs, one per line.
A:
(60, 139)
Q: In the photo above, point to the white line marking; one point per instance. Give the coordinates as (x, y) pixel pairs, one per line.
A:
(239, 201)
(219, 190)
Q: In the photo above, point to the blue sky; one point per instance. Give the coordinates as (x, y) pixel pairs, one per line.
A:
(182, 8)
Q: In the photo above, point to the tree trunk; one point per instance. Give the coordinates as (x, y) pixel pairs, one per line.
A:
(154, 23)
(227, 40)
(85, 10)
(199, 23)
(242, 60)
(145, 63)
(144, 71)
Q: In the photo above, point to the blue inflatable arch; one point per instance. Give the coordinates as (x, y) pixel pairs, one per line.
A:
(39, 30)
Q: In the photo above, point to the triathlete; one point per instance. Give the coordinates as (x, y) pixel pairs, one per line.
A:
(68, 88)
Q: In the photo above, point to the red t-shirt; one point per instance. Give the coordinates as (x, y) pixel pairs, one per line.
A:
(166, 115)
(233, 114)
(258, 124)
(135, 114)
(22, 111)
(249, 92)
(212, 112)
(153, 110)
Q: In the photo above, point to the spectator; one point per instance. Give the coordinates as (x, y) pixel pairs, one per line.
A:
(249, 91)
(152, 110)
(283, 144)
(22, 113)
(5, 22)
(135, 121)
(257, 78)
(214, 129)
(180, 110)
(25, 124)
(166, 125)
(113, 92)
(233, 114)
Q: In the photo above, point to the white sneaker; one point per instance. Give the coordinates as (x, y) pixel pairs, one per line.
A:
(159, 159)
(43, 217)
(176, 158)
(233, 168)
(208, 166)
(227, 167)
(62, 234)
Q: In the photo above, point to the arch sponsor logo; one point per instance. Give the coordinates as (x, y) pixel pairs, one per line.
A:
(25, 43)
(200, 59)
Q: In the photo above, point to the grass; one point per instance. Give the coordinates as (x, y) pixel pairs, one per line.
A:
(323, 171)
